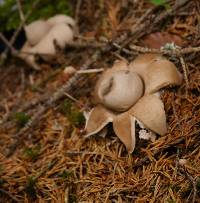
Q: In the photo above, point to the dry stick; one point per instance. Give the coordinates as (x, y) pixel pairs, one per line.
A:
(78, 5)
(84, 44)
(4, 54)
(10, 195)
(44, 98)
(27, 105)
(88, 71)
(21, 14)
(16, 53)
(8, 44)
(176, 51)
(152, 26)
(192, 180)
(184, 66)
(143, 17)
(17, 101)
(48, 104)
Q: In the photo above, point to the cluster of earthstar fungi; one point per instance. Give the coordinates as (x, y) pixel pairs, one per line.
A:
(127, 93)
(42, 35)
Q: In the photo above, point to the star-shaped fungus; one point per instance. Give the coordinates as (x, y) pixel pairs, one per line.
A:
(128, 92)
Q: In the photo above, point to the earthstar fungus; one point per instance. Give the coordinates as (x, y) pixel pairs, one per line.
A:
(42, 34)
(127, 93)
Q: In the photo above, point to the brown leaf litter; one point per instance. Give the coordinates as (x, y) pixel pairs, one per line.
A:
(55, 163)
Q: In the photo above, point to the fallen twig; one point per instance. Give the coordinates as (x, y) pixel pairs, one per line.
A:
(176, 51)
(9, 195)
(8, 44)
(4, 54)
(50, 102)
(90, 71)
(21, 14)
(192, 180)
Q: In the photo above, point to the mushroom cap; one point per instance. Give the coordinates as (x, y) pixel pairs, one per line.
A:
(36, 30)
(124, 128)
(119, 90)
(118, 65)
(61, 18)
(161, 73)
(150, 111)
(99, 117)
(60, 33)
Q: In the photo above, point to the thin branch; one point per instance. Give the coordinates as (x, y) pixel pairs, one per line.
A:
(21, 14)
(50, 102)
(176, 51)
(99, 70)
(4, 54)
(192, 180)
(8, 44)
(78, 5)
(9, 195)
(184, 66)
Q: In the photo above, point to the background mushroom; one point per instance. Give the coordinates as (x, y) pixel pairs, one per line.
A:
(60, 18)
(43, 35)
(36, 30)
(60, 34)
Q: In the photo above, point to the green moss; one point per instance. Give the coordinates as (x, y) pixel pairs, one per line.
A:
(2, 181)
(65, 174)
(21, 119)
(66, 107)
(32, 153)
(158, 2)
(73, 114)
(186, 191)
(30, 188)
(72, 198)
(9, 15)
(171, 201)
(198, 184)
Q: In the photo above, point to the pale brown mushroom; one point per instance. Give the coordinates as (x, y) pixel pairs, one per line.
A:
(150, 111)
(160, 74)
(99, 117)
(36, 30)
(60, 18)
(156, 71)
(61, 34)
(27, 53)
(118, 65)
(124, 128)
(119, 90)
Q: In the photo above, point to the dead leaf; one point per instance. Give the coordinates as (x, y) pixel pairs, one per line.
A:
(158, 39)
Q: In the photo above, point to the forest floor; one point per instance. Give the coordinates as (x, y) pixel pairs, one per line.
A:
(44, 156)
